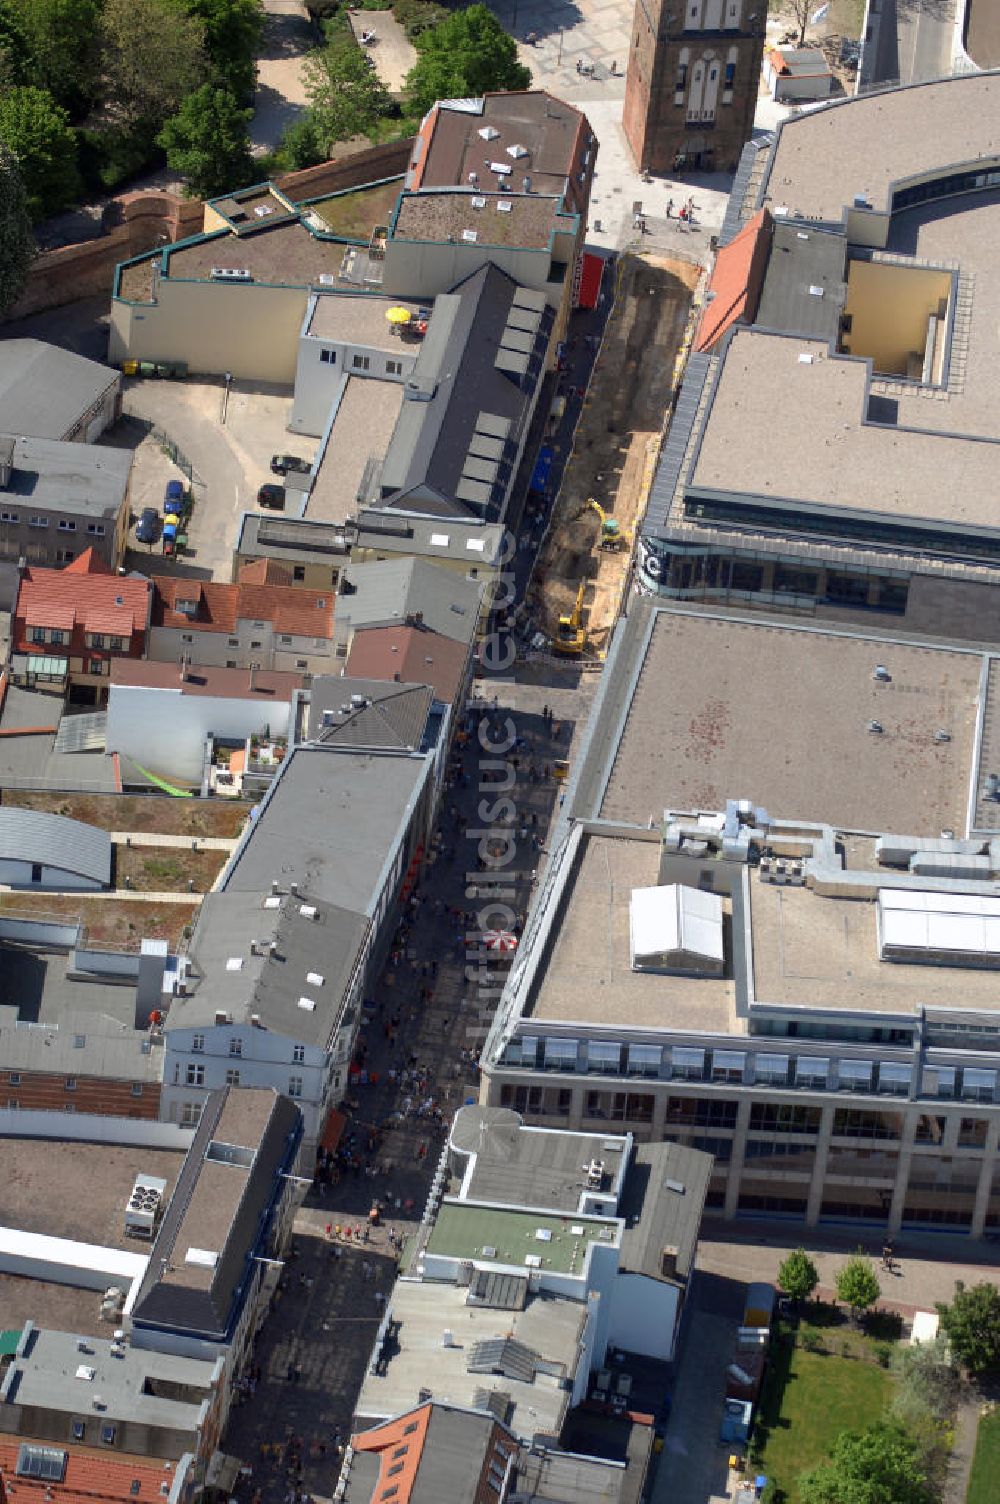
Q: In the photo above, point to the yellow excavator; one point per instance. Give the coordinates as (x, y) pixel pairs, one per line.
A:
(612, 537)
(571, 639)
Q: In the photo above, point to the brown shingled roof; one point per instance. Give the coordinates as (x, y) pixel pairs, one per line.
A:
(413, 655)
(219, 606)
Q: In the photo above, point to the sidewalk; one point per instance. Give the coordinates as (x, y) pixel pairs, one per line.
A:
(159, 838)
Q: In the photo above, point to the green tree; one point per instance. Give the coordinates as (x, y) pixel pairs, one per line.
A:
(233, 30)
(62, 35)
(207, 142)
(798, 1276)
(17, 245)
(857, 1284)
(39, 134)
(971, 1324)
(300, 146)
(881, 1465)
(468, 54)
(346, 95)
(16, 58)
(152, 57)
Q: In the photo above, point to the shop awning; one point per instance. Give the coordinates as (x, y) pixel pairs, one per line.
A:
(333, 1130)
(591, 273)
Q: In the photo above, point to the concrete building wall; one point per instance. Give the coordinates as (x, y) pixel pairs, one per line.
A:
(21, 874)
(890, 308)
(165, 730)
(643, 1316)
(251, 331)
(248, 643)
(322, 365)
(420, 269)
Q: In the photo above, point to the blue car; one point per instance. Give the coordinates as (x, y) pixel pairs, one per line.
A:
(173, 497)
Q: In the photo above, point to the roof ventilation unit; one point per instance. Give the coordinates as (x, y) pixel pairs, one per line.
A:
(876, 728)
(882, 674)
(231, 274)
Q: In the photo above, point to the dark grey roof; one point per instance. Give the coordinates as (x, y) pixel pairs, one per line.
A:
(518, 1166)
(46, 391)
(292, 539)
(449, 1466)
(220, 1205)
(368, 712)
(235, 971)
(662, 1204)
(28, 835)
(329, 821)
(386, 592)
(82, 478)
(803, 259)
(474, 382)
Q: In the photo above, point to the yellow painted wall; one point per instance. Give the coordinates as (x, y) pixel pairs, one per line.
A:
(252, 331)
(889, 307)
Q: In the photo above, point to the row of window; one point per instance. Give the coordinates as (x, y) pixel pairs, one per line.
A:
(195, 1076)
(14, 1078)
(236, 1047)
(59, 638)
(760, 1068)
(362, 363)
(65, 524)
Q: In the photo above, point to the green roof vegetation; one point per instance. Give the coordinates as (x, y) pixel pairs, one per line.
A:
(464, 1232)
(356, 213)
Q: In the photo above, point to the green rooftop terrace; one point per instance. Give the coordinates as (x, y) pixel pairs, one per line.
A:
(464, 1232)
(356, 213)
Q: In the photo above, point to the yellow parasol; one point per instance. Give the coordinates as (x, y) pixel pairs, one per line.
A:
(399, 315)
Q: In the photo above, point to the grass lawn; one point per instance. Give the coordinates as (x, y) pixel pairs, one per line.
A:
(810, 1397)
(986, 1463)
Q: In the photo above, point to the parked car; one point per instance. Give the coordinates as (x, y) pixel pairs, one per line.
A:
(173, 498)
(147, 529)
(271, 496)
(281, 464)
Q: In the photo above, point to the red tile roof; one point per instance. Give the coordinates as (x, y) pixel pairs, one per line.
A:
(89, 1476)
(400, 1443)
(264, 572)
(409, 655)
(736, 281)
(85, 595)
(218, 606)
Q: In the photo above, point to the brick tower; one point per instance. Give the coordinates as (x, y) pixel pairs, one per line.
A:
(691, 84)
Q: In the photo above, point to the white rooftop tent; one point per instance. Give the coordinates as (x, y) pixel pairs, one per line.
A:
(673, 928)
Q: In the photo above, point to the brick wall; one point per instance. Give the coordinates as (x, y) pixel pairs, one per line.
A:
(136, 222)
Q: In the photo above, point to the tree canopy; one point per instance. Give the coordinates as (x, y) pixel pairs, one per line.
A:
(346, 95)
(972, 1325)
(798, 1276)
(207, 142)
(152, 56)
(16, 58)
(881, 1465)
(857, 1284)
(232, 30)
(17, 245)
(467, 54)
(38, 132)
(62, 38)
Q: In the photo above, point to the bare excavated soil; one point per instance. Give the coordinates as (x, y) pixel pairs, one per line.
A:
(615, 446)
